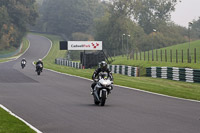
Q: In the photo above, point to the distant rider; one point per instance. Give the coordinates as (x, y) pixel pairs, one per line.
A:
(23, 61)
(103, 68)
(39, 62)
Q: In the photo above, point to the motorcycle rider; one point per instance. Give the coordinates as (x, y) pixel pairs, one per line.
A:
(39, 62)
(103, 68)
(23, 61)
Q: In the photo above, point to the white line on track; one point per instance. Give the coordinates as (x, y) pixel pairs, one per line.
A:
(11, 113)
(49, 48)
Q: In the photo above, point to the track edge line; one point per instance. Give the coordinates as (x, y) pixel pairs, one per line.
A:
(11, 113)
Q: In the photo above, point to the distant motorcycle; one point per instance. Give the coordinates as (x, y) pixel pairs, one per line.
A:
(102, 89)
(39, 69)
(23, 64)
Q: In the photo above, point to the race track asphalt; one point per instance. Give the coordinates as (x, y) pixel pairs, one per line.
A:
(56, 103)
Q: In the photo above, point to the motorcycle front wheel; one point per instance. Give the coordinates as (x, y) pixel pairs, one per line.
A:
(96, 102)
(103, 98)
(38, 72)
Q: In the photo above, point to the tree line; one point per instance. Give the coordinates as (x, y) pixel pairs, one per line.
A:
(194, 28)
(15, 16)
(140, 24)
(123, 25)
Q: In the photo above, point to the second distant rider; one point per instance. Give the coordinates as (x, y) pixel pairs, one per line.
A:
(39, 62)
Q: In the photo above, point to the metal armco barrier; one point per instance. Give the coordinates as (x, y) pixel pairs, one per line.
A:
(124, 70)
(65, 62)
(174, 73)
(12, 53)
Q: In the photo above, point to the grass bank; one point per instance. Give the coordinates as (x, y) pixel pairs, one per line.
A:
(23, 49)
(168, 57)
(10, 124)
(168, 54)
(161, 86)
(119, 60)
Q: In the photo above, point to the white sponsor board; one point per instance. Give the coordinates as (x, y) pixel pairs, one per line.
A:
(84, 45)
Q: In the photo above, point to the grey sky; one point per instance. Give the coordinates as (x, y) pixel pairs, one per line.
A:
(186, 11)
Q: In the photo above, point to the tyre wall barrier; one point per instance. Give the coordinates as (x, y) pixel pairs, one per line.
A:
(174, 73)
(124, 70)
(65, 62)
(120, 69)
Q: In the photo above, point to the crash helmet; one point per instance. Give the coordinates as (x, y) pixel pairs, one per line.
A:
(40, 60)
(103, 65)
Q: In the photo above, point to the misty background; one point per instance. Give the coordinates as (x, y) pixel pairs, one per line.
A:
(186, 11)
(123, 25)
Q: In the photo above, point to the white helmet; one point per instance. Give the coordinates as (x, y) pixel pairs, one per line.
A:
(40, 59)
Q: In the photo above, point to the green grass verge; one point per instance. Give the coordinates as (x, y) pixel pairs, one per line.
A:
(10, 124)
(119, 60)
(3, 60)
(179, 48)
(161, 86)
(24, 47)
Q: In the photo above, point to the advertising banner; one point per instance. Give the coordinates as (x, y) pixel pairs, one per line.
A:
(84, 45)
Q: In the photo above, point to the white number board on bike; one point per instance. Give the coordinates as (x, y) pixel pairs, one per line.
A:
(84, 45)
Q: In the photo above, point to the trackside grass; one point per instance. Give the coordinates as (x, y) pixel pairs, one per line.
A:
(10, 124)
(161, 86)
(166, 53)
(119, 60)
(3, 60)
